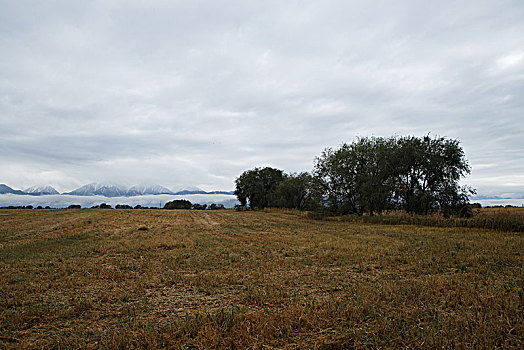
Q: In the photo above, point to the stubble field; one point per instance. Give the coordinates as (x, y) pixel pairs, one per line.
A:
(224, 279)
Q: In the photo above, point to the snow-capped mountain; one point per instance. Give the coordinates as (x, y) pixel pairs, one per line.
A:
(140, 190)
(95, 189)
(6, 189)
(113, 190)
(41, 190)
(109, 190)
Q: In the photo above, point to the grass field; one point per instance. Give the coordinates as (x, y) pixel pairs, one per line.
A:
(226, 279)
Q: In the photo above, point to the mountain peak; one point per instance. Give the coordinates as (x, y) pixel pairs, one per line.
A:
(41, 190)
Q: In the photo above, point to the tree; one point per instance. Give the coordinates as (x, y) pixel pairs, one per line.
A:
(214, 206)
(373, 183)
(373, 174)
(293, 191)
(355, 177)
(427, 172)
(335, 185)
(178, 204)
(257, 187)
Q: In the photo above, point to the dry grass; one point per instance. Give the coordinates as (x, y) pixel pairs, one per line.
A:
(226, 279)
(500, 219)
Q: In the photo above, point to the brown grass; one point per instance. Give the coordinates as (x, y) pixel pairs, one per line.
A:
(226, 279)
(500, 219)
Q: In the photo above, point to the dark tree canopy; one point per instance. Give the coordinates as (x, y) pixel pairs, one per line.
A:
(257, 187)
(372, 174)
(293, 191)
(355, 177)
(178, 204)
(427, 172)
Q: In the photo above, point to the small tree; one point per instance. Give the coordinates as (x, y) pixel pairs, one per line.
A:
(178, 204)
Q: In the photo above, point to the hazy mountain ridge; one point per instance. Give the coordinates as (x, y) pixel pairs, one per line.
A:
(6, 189)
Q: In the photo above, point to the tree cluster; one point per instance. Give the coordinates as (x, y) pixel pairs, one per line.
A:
(372, 174)
(269, 187)
(185, 204)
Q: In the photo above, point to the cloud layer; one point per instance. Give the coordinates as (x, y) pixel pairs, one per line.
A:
(195, 92)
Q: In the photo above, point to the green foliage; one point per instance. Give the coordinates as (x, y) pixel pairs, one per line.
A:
(293, 191)
(257, 187)
(178, 204)
(427, 171)
(419, 175)
(356, 177)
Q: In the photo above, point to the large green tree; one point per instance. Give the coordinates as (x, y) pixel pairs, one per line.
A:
(372, 174)
(293, 191)
(426, 173)
(355, 177)
(256, 187)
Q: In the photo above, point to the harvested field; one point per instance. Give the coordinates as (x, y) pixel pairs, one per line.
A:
(225, 279)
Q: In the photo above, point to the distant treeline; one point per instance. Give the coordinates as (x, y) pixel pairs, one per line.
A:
(176, 204)
(417, 174)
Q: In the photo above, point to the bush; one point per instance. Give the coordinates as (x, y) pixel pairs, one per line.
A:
(465, 212)
(239, 207)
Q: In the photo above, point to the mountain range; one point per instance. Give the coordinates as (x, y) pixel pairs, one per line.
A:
(107, 190)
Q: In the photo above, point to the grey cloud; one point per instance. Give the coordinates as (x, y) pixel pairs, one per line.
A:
(196, 92)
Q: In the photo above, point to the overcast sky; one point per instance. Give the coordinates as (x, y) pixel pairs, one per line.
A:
(195, 92)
